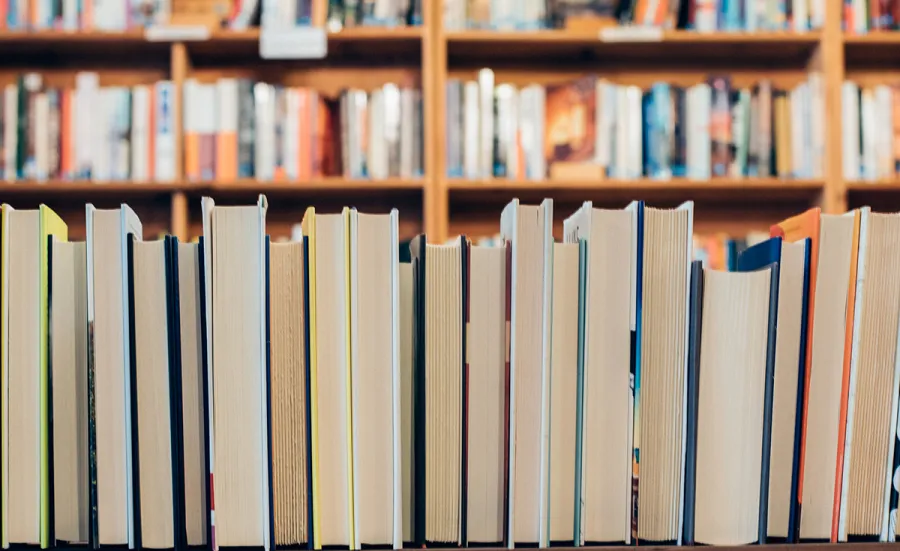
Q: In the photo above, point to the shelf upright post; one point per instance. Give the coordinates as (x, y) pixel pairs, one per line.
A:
(828, 60)
(434, 58)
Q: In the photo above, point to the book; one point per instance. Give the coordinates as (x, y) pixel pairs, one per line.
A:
(235, 252)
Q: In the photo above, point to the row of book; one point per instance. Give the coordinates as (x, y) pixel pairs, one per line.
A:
(870, 117)
(593, 128)
(699, 15)
(121, 15)
(94, 132)
(237, 128)
(344, 390)
(233, 128)
(721, 251)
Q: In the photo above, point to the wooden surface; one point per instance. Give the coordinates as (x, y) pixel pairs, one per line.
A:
(427, 56)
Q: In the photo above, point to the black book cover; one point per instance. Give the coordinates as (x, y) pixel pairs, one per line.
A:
(306, 372)
(767, 411)
(49, 353)
(464, 407)
(695, 324)
(132, 367)
(267, 382)
(176, 400)
(204, 348)
(417, 253)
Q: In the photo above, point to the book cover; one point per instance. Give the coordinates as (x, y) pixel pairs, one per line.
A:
(721, 126)
(637, 263)
(570, 123)
(695, 325)
(4, 373)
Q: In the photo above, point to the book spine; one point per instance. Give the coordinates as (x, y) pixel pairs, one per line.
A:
(279, 121)
(54, 129)
(486, 111)
(191, 115)
(208, 127)
(246, 131)
(226, 168)
(140, 114)
(471, 131)
(40, 136)
(678, 145)
(407, 132)
(764, 162)
(392, 122)
(291, 133)
(851, 130)
(164, 151)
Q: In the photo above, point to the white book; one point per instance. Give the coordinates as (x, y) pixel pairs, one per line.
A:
(850, 134)
(227, 122)
(486, 112)
(140, 133)
(407, 132)
(88, 123)
(10, 133)
(884, 138)
(108, 231)
(377, 148)
(621, 140)
(869, 131)
(815, 114)
(635, 132)
(70, 15)
(606, 122)
(801, 15)
(164, 142)
(264, 145)
(817, 15)
(41, 136)
(471, 131)
(391, 105)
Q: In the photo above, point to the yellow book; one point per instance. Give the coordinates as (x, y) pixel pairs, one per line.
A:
(4, 370)
(51, 224)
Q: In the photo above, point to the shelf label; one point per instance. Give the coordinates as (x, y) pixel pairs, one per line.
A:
(631, 33)
(293, 43)
(176, 33)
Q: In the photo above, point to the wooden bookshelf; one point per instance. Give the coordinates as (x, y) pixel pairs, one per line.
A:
(428, 56)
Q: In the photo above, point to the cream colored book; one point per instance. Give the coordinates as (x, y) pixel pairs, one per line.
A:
(564, 387)
(108, 314)
(375, 378)
(193, 416)
(733, 366)
(605, 419)
(528, 229)
(234, 242)
(152, 371)
(486, 356)
(68, 357)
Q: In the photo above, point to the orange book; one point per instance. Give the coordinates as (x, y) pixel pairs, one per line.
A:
(65, 132)
(226, 137)
(845, 378)
(803, 226)
(304, 139)
(151, 140)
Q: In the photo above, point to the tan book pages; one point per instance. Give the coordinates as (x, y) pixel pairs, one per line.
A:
(406, 395)
(443, 392)
(68, 359)
(372, 378)
(787, 371)
(486, 357)
(732, 392)
(239, 376)
(664, 350)
(564, 389)
(24, 382)
(606, 496)
(287, 349)
(331, 336)
(828, 328)
(872, 378)
(192, 414)
(154, 425)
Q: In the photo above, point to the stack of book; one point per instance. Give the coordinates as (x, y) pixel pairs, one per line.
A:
(237, 128)
(605, 389)
(699, 15)
(89, 132)
(871, 131)
(592, 127)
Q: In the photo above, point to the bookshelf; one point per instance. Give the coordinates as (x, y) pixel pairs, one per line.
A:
(427, 56)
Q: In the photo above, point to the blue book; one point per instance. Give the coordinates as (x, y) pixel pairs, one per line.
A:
(786, 256)
(579, 404)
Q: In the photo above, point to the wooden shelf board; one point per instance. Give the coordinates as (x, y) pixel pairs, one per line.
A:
(550, 45)
(881, 186)
(81, 188)
(721, 189)
(335, 185)
(875, 49)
